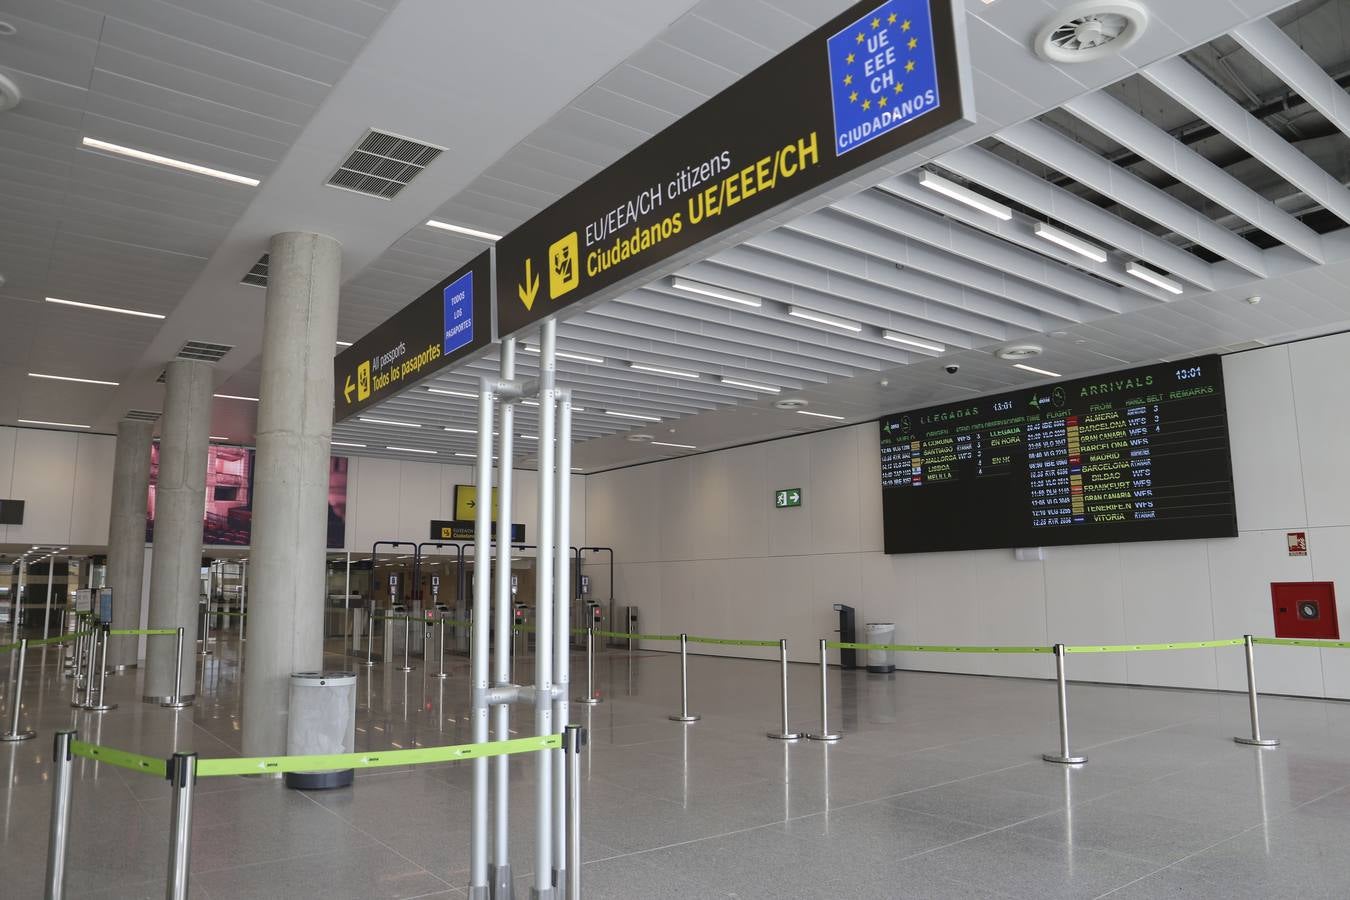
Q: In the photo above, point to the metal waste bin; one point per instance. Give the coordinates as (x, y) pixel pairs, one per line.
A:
(322, 720)
(881, 661)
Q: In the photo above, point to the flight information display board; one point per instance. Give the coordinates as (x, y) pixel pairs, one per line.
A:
(1138, 455)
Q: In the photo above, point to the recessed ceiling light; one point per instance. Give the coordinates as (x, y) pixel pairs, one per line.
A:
(750, 385)
(133, 153)
(657, 370)
(898, 338)
(676, 446)
(235, 397)
(564, 354)
(964, 195)
(111, 309)
(389, 422)
(411, 450)
(1069, 242)
(717, 293)
(55, 424)
(449, 393)
(1015, 352)
(819, 415)
(811, 315)
(344, 343)
(71, 378)
(634, 416)
(1033, 369)
(1144, 273)
(346, 444)
(464, 230)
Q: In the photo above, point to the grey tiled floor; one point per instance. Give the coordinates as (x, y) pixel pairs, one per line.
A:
(936, 791)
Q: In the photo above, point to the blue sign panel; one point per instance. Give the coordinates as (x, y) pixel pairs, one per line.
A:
(459, 313)
(883, 72)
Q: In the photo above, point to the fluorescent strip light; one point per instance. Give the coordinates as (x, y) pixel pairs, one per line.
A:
(528, 437)
(460, 430)
(71, 378)
(536, 403)
(465, 394)
(1069, 242)
(467, 455)
(1143, 273)
(1045, 372)
(717, 293)
(344, 343)
(964, 195)
(111, 309)
(676, 446)
(235, 397)
(95, 144)
(216, 437)
(464, 230)
(563, 354)
(657, 370)
(805, 412)
(389, 422)
(634, 416)
(347, 444)
(411, 450)
(56, 424)
(751, 386)
(813, 316)
(898, 338)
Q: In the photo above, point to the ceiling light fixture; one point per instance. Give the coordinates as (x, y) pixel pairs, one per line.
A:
(235, 397)
(347, 444)
(964, 195)
(806, 412)
(811, 315)
(411, 450)
(1144, 273)
(460, 430)
(344, 343)
(143, 156)
(111, 309)
(751, 385)
(55, 424)
(216, 437)
(1069, 242)
(563, 354)
(448, 393)
(717, 293)
(389, 422)
(657, 370)
(71, 378)
(1033, 369)
(898, 338)
(536, 403)
(528, 437)
(464, 230)
(676, 446)
(634, 416)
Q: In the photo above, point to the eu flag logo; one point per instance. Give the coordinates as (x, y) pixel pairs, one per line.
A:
(883, 72)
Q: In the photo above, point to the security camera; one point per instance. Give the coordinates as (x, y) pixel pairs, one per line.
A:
(952, 368)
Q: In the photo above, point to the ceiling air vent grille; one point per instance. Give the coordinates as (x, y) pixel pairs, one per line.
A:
(257, 276)
(203, 351)
(143, 415)
(382, 164)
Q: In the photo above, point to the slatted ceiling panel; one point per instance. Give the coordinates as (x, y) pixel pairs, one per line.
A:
(637, 115)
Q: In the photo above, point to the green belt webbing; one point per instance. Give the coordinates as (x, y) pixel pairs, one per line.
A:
(373, 759)
(729, 642)
(121, 758)
(933, 648)
(638, 637)
(1301, 642)
(1129, 648)
(151, 631)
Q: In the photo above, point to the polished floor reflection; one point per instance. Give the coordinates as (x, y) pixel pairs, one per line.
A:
(936, 790)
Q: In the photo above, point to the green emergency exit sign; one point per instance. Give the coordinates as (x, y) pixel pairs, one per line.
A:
(786, 498)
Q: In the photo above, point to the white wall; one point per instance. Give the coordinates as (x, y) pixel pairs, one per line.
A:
(702, 549)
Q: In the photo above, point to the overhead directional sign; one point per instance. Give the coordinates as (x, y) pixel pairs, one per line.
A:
(449, 322)
(463, 530)
(787, 498)
(876, 82)
(466, 502)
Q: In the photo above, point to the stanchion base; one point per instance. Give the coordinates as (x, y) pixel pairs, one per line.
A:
(441, 675)
(1258, 742)
(587, 701)
(684, 718)
(13, 736)
(369, 663)
(502, 886)
(404, 669)
(828, 738)
(479, 892)
(1064, 760)
(785, 736)
(102, 707)
(544, 894)
(560, 884)
(122, 667)
(176, 704)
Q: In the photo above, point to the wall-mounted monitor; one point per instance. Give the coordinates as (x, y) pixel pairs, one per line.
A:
(11, 512)
(1138, 455)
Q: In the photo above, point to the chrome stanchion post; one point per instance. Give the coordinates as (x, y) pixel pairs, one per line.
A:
(103, 705)
(1065, 755)
(785, 734)
(573, 739)
(183, 776)
(590, 699)
(407, 642)
(440, 640)
(1255, 740)
(58, 834)
(176, 701)
(206, 630)
(825, 734)
(684, 683)
(91, 649)
(370, 638)
(16, 701)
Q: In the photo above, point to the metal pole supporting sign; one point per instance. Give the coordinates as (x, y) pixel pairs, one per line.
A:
(785, 734)
(1255, 740)
(1065, 755)
(684, 715)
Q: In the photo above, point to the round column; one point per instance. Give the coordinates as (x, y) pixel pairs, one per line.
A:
(126, 535)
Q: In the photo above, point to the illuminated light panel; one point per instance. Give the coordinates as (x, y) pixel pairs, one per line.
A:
(964, 195)
(751, 385)
(1069, 242)
(347, 444)
(389, 422)
(657, 370)
(72, 378)
(1157, 279)
(676, 446)
(811, 315)
(820, 415)
(112, 309)
(634, 416)
(54, 424)
(464, 230)
(564, 354)
(235, 397)
(717, 293)
(898, 338)
(411, 450)
(143, 156)
(1046, 372)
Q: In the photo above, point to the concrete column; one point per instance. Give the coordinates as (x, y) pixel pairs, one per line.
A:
(284, 628)
(126, 534)
(180, 501)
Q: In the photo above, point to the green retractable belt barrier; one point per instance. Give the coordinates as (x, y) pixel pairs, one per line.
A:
(151, 631)
(120, 758)
(375, 758)
(1180, 645)
(729, 642)
(933, 648)
(642, 637)
(1301, 642)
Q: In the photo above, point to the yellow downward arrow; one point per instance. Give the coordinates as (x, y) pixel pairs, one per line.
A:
(530, 288)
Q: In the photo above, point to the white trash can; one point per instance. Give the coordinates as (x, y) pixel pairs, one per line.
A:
(880, 661)
(322, 720)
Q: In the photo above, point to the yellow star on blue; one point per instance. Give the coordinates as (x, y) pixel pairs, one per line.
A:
(848, 79)
(860, 37)
(876, 23)
(904, 26)
(849, 59)
(913, 42)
